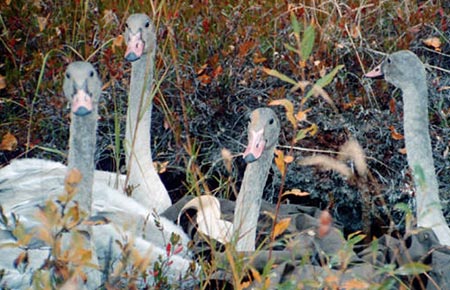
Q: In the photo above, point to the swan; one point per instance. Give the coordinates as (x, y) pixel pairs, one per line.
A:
(82, 88)
(28, 183)
(141, 45)
(263, 131)
(404, 70)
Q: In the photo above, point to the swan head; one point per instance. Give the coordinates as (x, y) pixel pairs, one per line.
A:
(82, 87)
(403, 69)
(139, 36)
(263, 131)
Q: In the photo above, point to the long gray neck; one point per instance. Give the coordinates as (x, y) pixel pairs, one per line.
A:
(82, 142)
(148, 188)
(249, 200)
(420, 160)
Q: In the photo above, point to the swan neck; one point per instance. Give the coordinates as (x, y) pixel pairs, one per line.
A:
(82, 142)
(148, 188)
(249, 200)
(419, 152)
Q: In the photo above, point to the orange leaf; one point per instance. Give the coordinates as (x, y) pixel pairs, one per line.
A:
(392, 106)
(296, 192)
(9, 142)
(355, 284)
(256, 275)
(245, 47)
(325, 221)
(217, 72)
(42, 22)
(301, 115)
(289, 109)
(2, 82)
(279, 161)
(281, 227)
(395, 135)
(227, 159)
(433, 42)
(118, 41)
(288, 159)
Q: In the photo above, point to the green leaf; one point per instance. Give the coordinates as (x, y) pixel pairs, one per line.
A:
(295, 24)
(413, 268)
(307, 43)
(279, 75)
(291, 48)
(325, 80)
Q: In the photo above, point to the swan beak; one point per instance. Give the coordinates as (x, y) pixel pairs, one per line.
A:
(82, 103)
(135, 48)
(255, 147)
(376, 72)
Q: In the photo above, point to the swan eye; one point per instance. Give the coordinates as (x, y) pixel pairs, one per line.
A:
(67, 76)
(271, 121)
(126, 25)
(388, 60)
(147, 24)
(91, 73)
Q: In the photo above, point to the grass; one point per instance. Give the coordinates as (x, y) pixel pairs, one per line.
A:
(216, 62)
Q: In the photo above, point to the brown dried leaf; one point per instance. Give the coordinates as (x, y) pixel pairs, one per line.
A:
(42, 22)
(288, 159)
(227, 159)
(325, 221)
(355, 284)
(301, 115)
(9, 142)
(402, 151)
(281, 227)
(256, 275)
(117, 43)
(433, 42)
(245, 47)
(279, 161)
(289, 107)
(2, 82)
(296, 192)
(161, 167)
(395, 135)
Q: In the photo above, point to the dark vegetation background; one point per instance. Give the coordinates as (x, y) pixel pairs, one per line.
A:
(209, 61)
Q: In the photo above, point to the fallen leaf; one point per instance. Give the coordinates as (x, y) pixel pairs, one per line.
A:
(9, 142)
(161, 167)
(288, 159)
(433, 42)
(118, 41)
(227, 158)
(296, 192)
(281, 227)
(325, 221)
(301, 115)
(355, 284)
(2, 82)
(402, 151)
(42, 22)
(395, 135)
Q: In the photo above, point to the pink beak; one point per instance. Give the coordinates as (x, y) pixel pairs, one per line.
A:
(255, 147)
(376, 72)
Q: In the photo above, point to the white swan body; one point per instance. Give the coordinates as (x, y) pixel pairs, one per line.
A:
(28, 183)
(404, 70)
